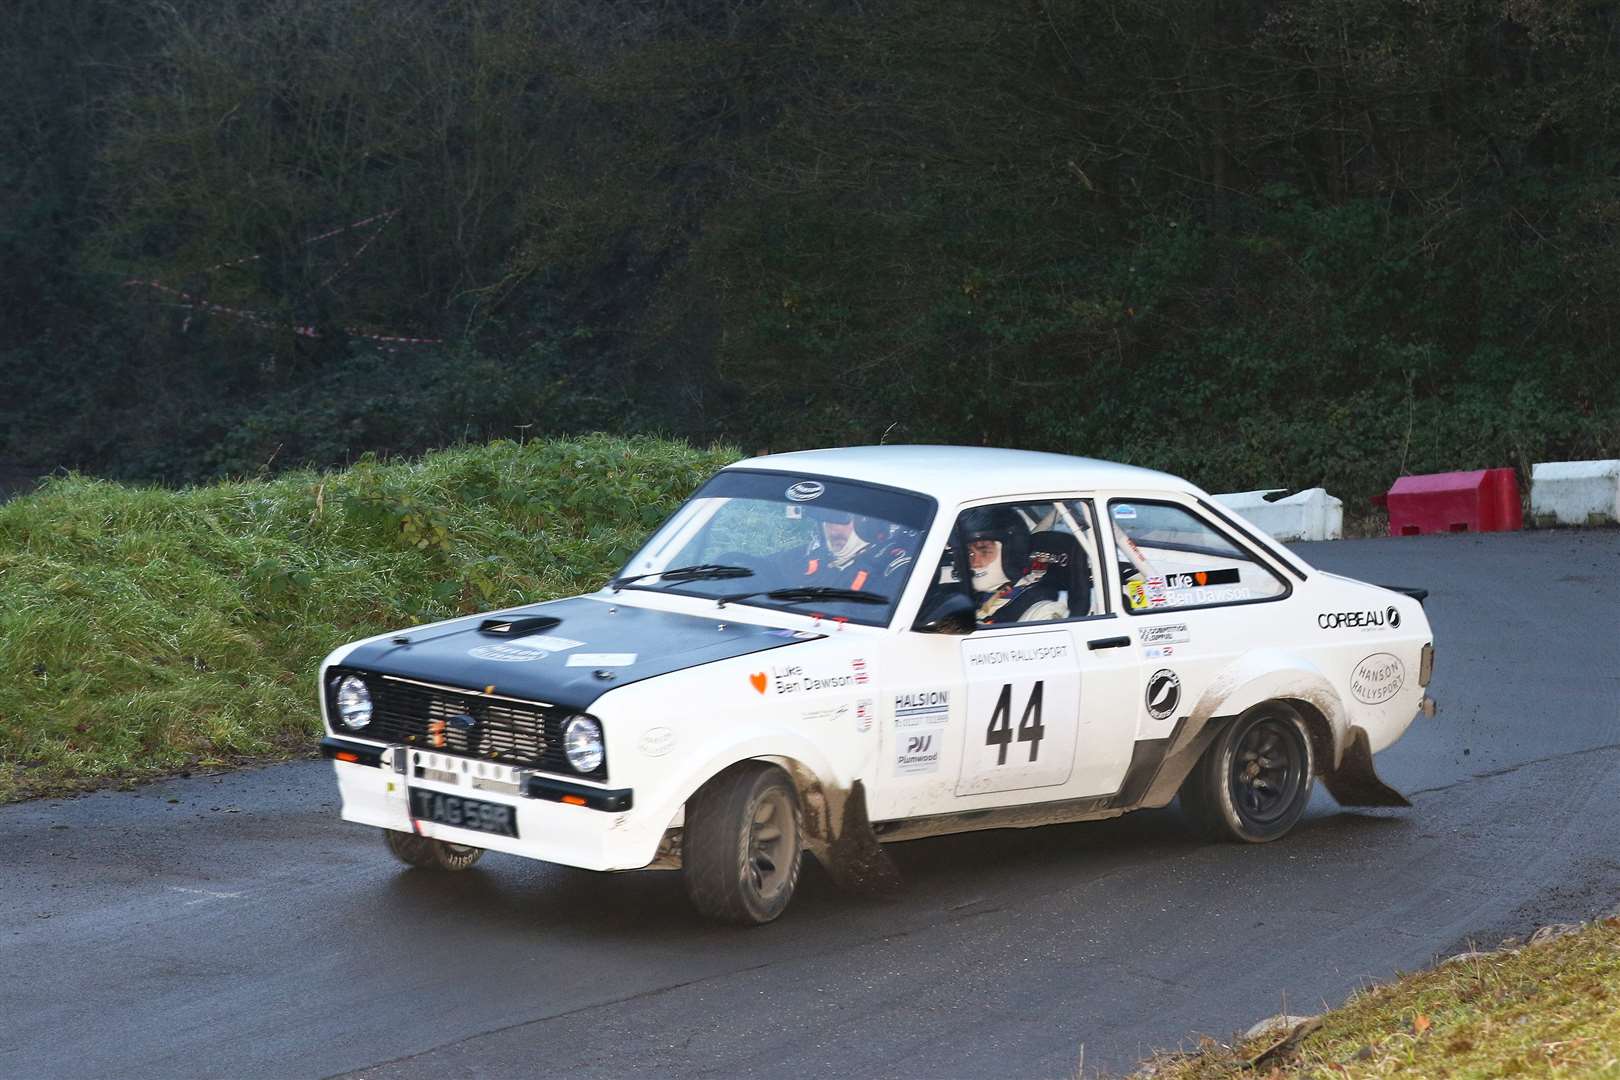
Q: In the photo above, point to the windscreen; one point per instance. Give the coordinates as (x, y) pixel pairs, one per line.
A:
(793, 542)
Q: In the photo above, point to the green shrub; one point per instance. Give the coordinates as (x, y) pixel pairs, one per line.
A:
(143, 631)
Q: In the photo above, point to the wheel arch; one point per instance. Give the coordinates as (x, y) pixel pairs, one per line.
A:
(822, 796)
(1254, 678)
(1279, 675)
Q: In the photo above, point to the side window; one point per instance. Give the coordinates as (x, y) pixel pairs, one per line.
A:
(1172, 558)
(1025, 562)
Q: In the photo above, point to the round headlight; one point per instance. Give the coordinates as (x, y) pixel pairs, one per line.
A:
(353, 702)
(582, 742)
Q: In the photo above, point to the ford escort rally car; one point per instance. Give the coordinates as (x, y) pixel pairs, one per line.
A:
(831, 650)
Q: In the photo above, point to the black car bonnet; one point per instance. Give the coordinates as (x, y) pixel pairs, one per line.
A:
(594, 646)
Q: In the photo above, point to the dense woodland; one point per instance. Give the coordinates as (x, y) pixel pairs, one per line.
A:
(1252, 241)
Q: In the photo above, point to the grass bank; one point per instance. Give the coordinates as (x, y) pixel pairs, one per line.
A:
(1545, 1010)
(146, 631)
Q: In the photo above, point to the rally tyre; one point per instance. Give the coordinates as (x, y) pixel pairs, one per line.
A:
(742, 844)
(429, 853)
(1254, 780)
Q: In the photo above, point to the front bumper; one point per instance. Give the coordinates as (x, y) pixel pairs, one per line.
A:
(594, 828)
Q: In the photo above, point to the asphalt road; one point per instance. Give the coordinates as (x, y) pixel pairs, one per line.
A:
(231, 926)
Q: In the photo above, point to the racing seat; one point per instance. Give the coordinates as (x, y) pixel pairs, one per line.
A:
(1068, 576)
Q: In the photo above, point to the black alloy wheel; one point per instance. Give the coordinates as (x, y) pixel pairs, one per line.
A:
(1266, 770)
(1253, 782)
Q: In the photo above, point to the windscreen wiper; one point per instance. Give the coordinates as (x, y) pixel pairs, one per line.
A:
(697, 572)
(803, 594)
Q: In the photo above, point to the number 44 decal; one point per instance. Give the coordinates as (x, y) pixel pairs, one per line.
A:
(1000, 732)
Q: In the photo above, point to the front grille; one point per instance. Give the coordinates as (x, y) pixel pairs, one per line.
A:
(521, 734)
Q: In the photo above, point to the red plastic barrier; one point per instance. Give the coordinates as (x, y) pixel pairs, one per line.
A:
(1485, 500)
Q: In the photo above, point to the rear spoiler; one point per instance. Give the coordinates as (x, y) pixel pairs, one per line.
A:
(1419, 595)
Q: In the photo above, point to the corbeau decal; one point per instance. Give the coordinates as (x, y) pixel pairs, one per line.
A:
(805, 490)
(1163, 694)
(1378, 678)
(1365, 620)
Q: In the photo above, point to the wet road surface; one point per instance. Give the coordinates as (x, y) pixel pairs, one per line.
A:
(232, 926)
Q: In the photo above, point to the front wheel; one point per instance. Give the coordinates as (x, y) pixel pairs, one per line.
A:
(742, 844)
(429, 853)
(1253, 782)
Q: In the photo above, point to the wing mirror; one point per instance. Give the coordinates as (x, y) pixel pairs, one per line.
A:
(950, 614)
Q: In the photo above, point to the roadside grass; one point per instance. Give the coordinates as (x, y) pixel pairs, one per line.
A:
(146, 631)
(1550, 1009)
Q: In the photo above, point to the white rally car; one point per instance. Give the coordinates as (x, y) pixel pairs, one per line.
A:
(835, 649)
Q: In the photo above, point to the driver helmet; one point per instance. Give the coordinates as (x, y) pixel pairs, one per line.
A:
(1001, 526)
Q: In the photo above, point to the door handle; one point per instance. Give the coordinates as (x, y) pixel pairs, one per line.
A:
(1108, 643)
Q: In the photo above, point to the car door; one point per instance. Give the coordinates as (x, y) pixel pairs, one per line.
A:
(1037, 702)
(1196, 597)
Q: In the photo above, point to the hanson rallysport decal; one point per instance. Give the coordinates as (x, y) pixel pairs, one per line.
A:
(1363, 620)
(537, 647)
(656, 741)
(1378, 678)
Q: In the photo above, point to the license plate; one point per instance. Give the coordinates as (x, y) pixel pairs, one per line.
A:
(463, 813)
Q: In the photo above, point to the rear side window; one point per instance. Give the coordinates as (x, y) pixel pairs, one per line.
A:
(1172, 558)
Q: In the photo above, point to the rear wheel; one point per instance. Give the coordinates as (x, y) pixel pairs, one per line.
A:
(1253, 782)
(429, 853)
(743, 844)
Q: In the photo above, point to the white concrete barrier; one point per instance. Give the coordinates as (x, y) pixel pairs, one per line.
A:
(1575, 492)
(1311, 514)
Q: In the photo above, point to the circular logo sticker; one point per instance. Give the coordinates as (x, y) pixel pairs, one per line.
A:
(1393, 616)
(508, 654)
(805, 490)
(1163, 694)
(1378, 678)
(656, 742)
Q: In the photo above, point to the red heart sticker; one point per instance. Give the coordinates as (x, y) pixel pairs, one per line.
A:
(758, 679)
(1201, 577)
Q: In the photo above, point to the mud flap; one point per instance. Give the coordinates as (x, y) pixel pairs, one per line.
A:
(1354, 783)
(855, 859)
